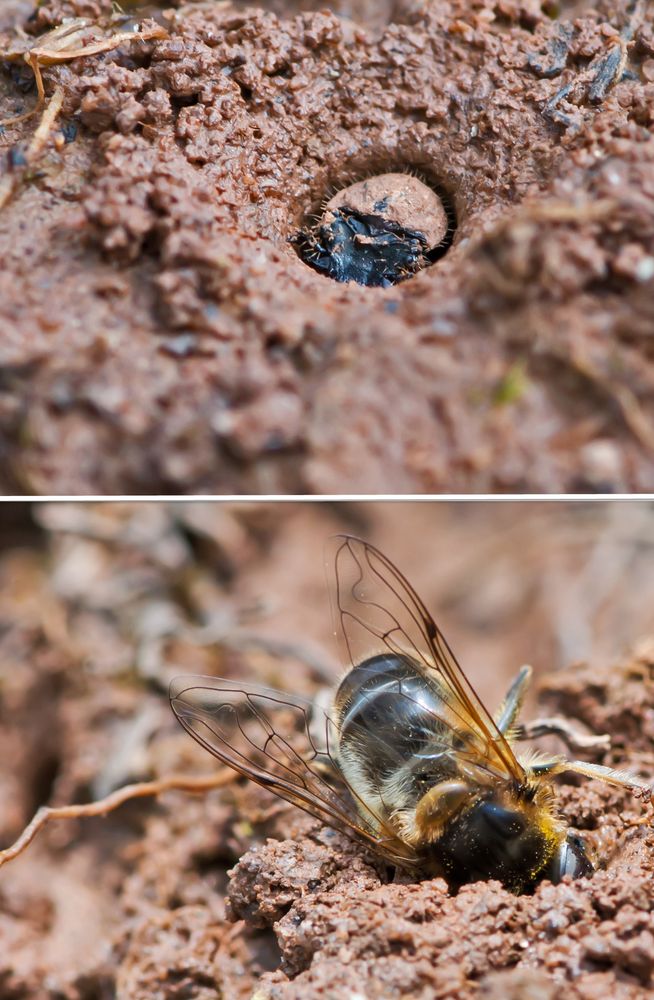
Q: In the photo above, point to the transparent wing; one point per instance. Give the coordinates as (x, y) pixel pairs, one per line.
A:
(378, 610)
(241, 725)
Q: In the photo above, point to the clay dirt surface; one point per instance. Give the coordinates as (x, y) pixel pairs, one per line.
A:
(235, 894)
(159, 332)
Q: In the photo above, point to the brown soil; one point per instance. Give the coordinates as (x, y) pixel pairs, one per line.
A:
(101, 604)
(160, 333)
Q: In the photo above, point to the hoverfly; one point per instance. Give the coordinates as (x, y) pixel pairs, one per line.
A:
(408, 760)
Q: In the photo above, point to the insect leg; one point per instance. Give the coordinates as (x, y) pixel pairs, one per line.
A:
(510, 708)
(573, 739)
(620, 779)
(439, 805)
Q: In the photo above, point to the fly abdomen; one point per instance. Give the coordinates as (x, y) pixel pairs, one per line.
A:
(392, 741)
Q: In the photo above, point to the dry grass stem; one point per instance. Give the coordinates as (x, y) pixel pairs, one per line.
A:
(73, 40)
(143, 789)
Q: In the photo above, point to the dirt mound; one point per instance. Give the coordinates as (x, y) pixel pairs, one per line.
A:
(346, 932)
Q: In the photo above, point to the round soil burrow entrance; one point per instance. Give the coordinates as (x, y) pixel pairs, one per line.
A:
(378, 231)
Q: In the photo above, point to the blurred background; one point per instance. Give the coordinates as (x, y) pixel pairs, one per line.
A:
(374, 15)
(136, 589)
(100, 604)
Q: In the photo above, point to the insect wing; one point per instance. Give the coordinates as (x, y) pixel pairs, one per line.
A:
(236, 723)
(378, 610)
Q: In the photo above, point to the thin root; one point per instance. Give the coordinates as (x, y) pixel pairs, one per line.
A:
(140, 790)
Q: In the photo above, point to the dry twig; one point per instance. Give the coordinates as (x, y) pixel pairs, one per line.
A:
(72, 40)
(623, 397)
(39, 139)
(143, 789)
